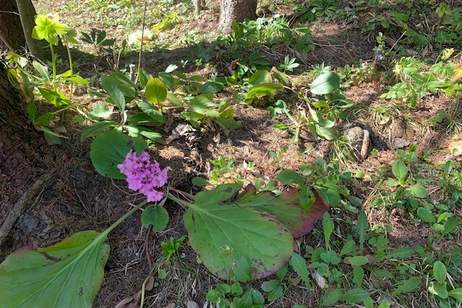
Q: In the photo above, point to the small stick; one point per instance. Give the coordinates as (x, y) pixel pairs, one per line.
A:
(140, 55)
(24, 202)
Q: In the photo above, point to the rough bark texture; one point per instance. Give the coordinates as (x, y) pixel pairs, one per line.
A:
(10, 26)
(236, 10)
(26, 9)
(199, 5)
(11, 110)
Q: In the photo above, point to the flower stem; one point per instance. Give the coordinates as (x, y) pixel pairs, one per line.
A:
(174, 198)
(53, 61)
(69, 56)
(122, 219)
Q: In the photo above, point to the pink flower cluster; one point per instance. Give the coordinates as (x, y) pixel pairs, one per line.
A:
(144, 176)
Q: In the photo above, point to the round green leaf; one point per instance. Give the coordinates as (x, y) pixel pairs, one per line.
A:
(326, 83)
(156, 216)
(224, 233)
(67, 274)
(439, 271)
(109, 150)
(212, 87)
(331, 297)
(155, 91)
(357, 260)
(438, 289)
(418, 191)
(451, 225)
(426, 215)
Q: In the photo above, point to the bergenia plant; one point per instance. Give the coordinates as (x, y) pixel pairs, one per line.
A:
(225, 228)
(144, 175)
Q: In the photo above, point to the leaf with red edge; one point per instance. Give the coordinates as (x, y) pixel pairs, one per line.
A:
(299, 219)
(222, 233)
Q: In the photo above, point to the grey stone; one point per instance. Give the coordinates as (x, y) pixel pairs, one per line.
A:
(359, 139)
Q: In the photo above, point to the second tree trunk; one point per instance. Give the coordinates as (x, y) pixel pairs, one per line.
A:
(235, 11)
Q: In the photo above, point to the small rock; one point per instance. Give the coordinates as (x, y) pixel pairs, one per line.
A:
(320, 281)
(28, 223)
(359, 139)
(191, 304)
(427, 142)
(455, 146)
(179, 131)
(397, 129)
(399, 143)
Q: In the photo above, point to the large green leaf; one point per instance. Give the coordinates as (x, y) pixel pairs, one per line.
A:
(326, 83)
(155, 115)
(418, 191)
(109, 150)
(155, 91)
(287, 209)
(67, 274)
(120, 89)
(222, 234)
(203, 105)
(259, 77)
(263, 89)
(95, 129)
(327, 133)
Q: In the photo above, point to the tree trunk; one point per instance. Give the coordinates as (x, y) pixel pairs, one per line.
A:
(199, 5)
(26, 9)
(10, 26)
(17, 20)
(235, 11)
(12, 111)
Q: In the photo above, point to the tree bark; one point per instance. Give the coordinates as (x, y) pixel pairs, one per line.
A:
(26, 9)
(10, 26)
(235, 11)
(199, 5)
(12, 111)
(17, 20)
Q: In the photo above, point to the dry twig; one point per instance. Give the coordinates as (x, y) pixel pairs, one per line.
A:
(24, 202)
